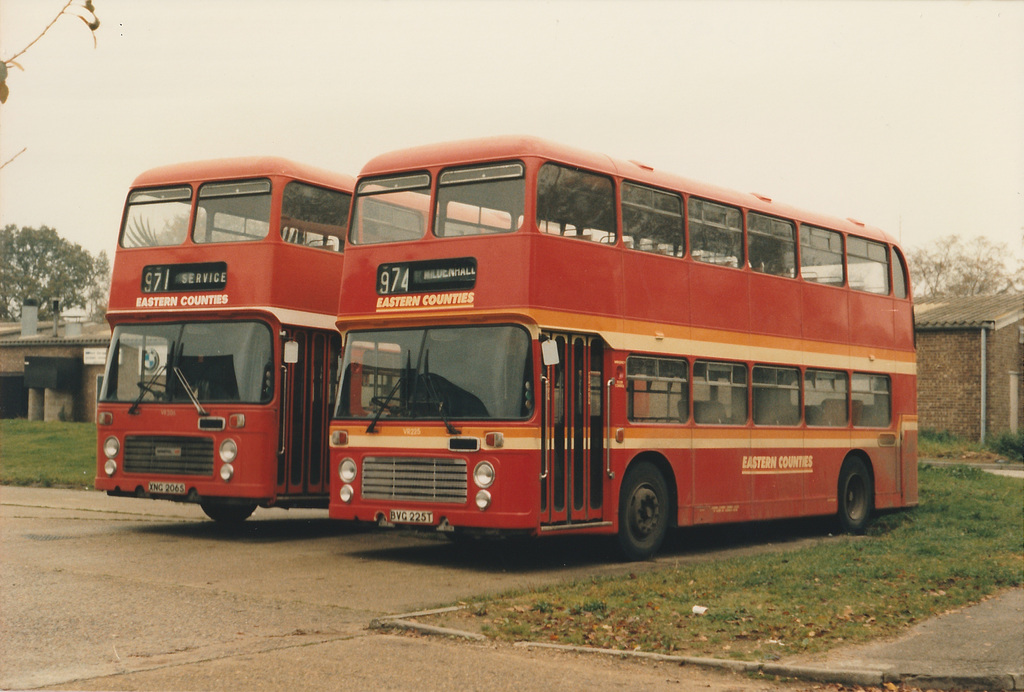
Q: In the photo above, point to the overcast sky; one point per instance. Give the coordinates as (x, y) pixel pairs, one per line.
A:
(905, 115)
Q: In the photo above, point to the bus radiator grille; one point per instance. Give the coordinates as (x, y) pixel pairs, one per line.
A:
(417, 479)
(178, 456)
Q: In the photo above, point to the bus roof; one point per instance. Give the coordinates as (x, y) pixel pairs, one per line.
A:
(515, 146)
(241, 167)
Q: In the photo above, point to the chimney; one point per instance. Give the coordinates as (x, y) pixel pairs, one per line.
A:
(56, 315)
(29, 318)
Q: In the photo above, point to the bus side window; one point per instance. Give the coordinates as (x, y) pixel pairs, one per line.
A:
(776, 395)
(899, 275)
(821, 256)
(771, 245)
(872, 401)
(313, 216)
(656, 389)
(652, 220)
(825, 398)
(868, 264)
(719, 393)
(575, 203)
(716, 233)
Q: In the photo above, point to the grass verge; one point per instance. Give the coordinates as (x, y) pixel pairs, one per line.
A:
(963, 543)
(47, 454)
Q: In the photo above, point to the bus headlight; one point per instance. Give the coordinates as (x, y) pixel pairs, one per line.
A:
(111, 447)
(110, 468)
(483, 500)
(346, 493)
(483, 474)
(227, 472)
(228, 451)
(347, 470)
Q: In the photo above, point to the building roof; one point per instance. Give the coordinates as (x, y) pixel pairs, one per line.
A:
(90, 334)
(969, 312)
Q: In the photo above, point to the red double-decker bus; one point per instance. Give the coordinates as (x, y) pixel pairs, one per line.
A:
(546, 340)
(224, 350)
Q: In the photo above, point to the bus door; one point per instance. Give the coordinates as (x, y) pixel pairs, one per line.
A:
(572, 471)
(305, 406)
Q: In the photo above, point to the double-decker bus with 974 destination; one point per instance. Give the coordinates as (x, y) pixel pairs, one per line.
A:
(545, 340)
(224, 348)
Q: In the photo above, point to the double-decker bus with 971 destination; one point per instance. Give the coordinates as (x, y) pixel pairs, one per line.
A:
(544, 340)
(224, 349)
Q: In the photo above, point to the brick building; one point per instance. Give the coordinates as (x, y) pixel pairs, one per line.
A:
(970, 364)
(50, 372)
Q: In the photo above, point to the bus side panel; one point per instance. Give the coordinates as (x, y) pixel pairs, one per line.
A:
(599, 295)
(719, 297)
(828, 307)
(660, 289)
(828, 449)
(777, 466)
(870, 324)
(776, 307)
(720, 492)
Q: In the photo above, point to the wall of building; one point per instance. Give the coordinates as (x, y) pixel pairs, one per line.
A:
(948, 382)
(1006, 361)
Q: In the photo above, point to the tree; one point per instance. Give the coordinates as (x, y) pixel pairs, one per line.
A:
(952, 267)
(86, 12)
(39, 264)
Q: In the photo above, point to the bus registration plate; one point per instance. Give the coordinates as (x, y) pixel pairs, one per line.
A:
(167, 488)
(410, 516)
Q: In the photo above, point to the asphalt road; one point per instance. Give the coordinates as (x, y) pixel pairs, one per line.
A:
(113, 593)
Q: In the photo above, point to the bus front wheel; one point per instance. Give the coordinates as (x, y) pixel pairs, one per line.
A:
(856, 496)
(227, 512)
(643, 512)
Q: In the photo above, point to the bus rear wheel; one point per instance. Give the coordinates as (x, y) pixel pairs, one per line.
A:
(643, 512)
(856, 496)
(224, 512)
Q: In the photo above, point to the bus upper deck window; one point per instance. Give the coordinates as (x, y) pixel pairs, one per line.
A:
(868, 265)
(233, 212)
(652, 220)
(771, 245)
(390, 210)
(576, 204)
(716, 233)
(821, 256)
(314, 216)
(480, 200)
(158, 217)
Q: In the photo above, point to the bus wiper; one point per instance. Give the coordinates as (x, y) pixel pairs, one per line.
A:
(188, 390)
(144, 388)
(435, 396)
(384, 404)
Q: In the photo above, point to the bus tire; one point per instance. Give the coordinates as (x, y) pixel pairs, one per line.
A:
(227, 512)
(643, 512)
(856, 496)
